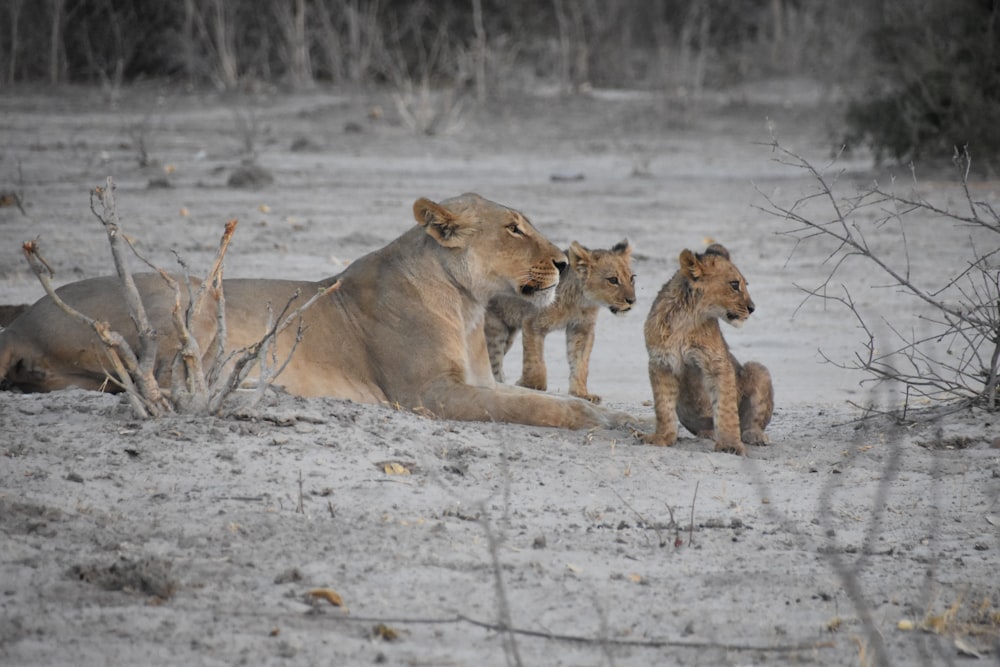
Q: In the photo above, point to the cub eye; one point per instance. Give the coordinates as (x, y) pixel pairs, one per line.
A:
(632, 279)
(735, 284)
(613, 280)
(514, 229)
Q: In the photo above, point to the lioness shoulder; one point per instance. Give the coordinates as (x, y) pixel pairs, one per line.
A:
(694, 376)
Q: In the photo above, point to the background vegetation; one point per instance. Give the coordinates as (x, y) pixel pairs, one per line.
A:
(923, 75)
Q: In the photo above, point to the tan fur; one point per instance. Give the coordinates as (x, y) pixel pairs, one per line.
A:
(693, 374)
(595, 278)
(405, 328)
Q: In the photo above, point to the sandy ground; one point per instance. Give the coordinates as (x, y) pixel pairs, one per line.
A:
(198, 540)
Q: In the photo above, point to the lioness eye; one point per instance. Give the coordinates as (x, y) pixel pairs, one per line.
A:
(613, 280)
(735, 284)
(514, 229)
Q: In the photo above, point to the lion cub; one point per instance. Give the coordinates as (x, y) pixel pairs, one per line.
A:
(594, 278)
(693, 374)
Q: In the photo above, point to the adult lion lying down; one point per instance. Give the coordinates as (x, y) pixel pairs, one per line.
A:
(405, 327)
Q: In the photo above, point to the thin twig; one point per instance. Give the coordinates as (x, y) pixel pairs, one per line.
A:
(585, 640)
(691, 527)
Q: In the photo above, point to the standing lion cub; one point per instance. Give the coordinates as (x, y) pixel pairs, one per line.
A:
(693, 374)
(593, 279)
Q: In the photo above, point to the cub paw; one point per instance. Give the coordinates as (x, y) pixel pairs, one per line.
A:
(593, 398)
(532, 384)
(755, 436)
(731, 445)
(658, 439)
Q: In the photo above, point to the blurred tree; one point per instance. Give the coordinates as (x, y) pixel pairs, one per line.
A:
(577, 43)
(14, 23)
(55, 40)
(934, 80)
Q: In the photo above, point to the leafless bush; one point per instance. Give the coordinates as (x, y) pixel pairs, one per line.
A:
(964, 310)
(15, 196)
(195, 388)
(421, 109)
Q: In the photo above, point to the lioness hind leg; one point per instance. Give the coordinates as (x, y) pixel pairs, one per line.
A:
(756, 402)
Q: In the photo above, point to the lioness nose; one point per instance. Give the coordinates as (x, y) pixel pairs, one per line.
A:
(560, 265)
(750, 308)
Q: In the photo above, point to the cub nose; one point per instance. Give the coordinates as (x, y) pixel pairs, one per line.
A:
(560, 265)
(630, 300)
(750, 308)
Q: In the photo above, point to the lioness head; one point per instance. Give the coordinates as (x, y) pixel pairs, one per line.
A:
(502, 253)
(720, 289)
(607, 275)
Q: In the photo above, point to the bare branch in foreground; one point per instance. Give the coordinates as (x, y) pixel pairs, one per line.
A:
(143, 375)
(194, 388)
(258, 353)
(119, 353)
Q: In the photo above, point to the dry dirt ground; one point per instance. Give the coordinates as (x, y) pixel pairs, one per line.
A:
(197, 541)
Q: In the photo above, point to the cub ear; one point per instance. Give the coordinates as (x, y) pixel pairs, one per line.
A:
(691, 266)
(442, 225)
(717, 249)
(623, 247)
(580, 258)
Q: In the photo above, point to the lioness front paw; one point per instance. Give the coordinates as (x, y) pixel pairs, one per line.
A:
(658, 439)
(755, 436)
(730, 444)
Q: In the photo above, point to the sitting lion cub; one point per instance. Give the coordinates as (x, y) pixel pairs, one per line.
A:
(693, 374)
(594, 278)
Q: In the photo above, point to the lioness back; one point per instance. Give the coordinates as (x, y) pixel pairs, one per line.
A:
(594, 279)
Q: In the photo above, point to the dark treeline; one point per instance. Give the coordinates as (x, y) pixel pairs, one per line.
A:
(924, 75)
(597, 42)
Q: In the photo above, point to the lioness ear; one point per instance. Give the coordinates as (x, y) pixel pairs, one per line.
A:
(717, 249)
(690, 265)
(579, 257)
(441, 224)
(623, 247)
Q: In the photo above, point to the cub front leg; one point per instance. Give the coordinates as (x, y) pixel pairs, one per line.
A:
(533, 373)
(579, 344)
(721, 384)
(665, 388)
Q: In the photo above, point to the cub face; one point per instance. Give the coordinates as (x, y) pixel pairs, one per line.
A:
(608, 279)
(501, 247)
(722, 289)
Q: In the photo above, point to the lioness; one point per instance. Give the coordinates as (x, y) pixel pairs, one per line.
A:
(594, 278)
(405, 327)
(693, 374)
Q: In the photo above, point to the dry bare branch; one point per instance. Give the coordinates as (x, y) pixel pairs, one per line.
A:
(193, 388)
(119, 353)
(965, 310)
(243, 361)
(143, 374)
